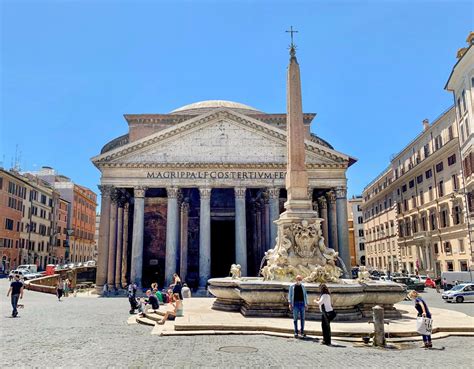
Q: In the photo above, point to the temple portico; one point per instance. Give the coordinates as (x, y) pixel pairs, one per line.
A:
(199, 189)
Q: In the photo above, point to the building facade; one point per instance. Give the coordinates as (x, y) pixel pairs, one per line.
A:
(12, 196)
(82, 203)
(198, 189)
(354, 209)
(379, 211)
(461, 84)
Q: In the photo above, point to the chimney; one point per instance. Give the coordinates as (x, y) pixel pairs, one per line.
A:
(426, 124)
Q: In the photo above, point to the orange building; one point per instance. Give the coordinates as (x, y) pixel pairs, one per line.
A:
(81, 240)
(12, 195)
(61, 250)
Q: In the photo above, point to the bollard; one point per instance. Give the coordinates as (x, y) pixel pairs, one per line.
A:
(379, 333)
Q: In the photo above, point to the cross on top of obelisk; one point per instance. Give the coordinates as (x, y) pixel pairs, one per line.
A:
(292, 45)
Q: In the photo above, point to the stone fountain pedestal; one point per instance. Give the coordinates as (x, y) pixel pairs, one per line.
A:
(352, 300)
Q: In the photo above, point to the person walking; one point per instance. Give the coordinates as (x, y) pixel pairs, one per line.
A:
(327, 313)
(66, 287)
(16, 290)
(177, 285)
(131, 294)
(298, 303)
(59, 289)
(423, 311)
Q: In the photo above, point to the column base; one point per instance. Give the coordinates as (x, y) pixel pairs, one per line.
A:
(201, 292)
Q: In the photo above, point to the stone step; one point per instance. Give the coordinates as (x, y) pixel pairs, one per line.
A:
(145, 321)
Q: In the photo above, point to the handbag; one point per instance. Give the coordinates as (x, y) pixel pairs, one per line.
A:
(424, 325)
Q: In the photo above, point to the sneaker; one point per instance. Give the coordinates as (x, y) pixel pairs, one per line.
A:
(303, 334)
(296, 335)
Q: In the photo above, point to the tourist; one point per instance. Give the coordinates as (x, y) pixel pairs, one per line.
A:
(152, 300)
(298, 303)
(66, 287)
(186, 291)
(131, 293)
(423, 311)
(327, 313)
(105, 290)
(16, 290)
(59, 289)
(177, 285)
(176, 312)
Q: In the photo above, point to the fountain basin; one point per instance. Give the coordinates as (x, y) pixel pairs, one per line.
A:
(352, 300)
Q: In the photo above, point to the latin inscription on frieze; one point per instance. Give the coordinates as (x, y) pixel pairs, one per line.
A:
(231, 175)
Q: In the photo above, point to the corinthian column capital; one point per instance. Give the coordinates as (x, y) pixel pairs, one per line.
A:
(105, 190)
(323, 204)
(172, 192)
(139, 191)
(205, 192)
(341, 192)
(331, 197)
(274, 193)
(240, 192)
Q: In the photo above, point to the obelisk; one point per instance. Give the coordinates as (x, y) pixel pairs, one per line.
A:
(296, 174)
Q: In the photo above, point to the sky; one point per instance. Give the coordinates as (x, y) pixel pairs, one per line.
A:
(371, 70)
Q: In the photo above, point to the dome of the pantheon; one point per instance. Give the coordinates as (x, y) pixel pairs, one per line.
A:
(202, 107)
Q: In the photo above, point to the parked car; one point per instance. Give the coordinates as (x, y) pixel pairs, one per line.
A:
(460, 293)
(410, 283)
(33, 268)
(91, 263)
(23, 273)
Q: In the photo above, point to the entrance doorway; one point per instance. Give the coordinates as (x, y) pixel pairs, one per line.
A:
(222, 246)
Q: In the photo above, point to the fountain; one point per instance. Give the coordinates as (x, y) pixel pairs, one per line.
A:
(300, 248)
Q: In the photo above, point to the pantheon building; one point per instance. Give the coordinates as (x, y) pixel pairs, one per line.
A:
(197, 189)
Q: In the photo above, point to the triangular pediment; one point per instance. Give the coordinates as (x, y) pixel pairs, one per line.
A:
(218, 137)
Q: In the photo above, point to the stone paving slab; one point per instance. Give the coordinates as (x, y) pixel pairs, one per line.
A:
(199, 317)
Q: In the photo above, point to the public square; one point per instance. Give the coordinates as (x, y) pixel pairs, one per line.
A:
(93, 332)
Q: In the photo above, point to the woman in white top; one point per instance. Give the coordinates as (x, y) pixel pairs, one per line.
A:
(328, 313)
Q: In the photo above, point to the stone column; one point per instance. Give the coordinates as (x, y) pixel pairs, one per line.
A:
(172, 234)
(112, 240)
(126, 211)
(103, 246)
(274, 195)
(240, 229)
(204, 237)
(323, 213)
(343, 227)
(118, 255)
(183, 268)
(266, 220)
(332, 215)
(137, 237)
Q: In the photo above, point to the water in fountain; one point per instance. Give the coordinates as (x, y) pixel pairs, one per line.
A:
(343, 266)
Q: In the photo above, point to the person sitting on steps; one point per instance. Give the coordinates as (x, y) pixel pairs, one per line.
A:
(176, 312)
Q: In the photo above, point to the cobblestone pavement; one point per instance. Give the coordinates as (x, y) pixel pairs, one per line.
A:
(92, 332)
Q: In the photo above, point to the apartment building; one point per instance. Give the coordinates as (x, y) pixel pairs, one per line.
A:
(356, 231)
(382, 251)
(461, 84)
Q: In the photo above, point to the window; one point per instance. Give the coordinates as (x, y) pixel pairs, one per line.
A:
(361, 246)
(413, 201)
(423, 222)
(438, 142)
(452, 159)
(415, 225)
(432, 221)
(449, 266)
(439, 167)
(426, 150)
(461, 247)
(444, 218)
(463, 95)
(430, 193)
(1, 183)
(361, 233)
(463, 267)
(422, 200)
(360, 220)
(404, 188)
(454, 180)
(436, 250)
(9, 224)
(450, 132)
(405, 205)
(428, 173)
(440, 189)
(457, 214)
(447, 247)
(419, 179)
(411, 184)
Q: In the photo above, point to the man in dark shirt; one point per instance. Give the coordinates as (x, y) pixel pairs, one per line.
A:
(298, 303)
(16, 290)
(152, 300)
